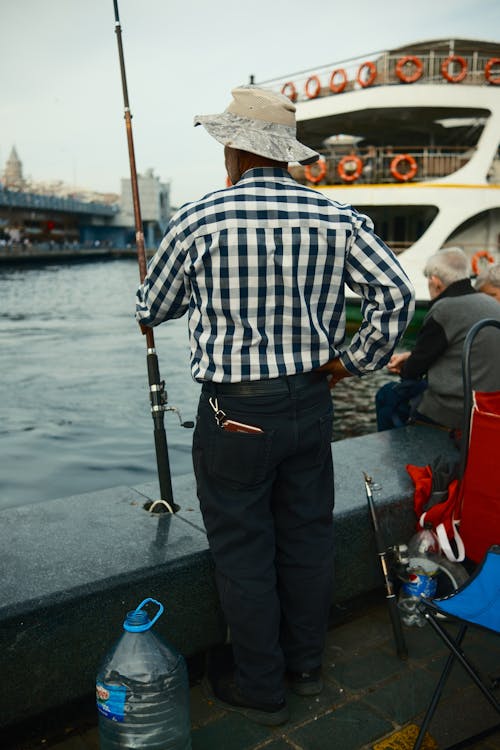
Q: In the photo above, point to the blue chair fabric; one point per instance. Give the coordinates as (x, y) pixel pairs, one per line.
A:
(475, 603)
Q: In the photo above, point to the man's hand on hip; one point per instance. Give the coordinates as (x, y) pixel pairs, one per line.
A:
(335, 371)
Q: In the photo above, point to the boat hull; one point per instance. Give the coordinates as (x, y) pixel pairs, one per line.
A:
(354, 318)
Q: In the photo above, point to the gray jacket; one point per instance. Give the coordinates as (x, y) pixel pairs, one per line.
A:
(438, 352)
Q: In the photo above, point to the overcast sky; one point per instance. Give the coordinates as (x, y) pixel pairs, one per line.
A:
(61, 100)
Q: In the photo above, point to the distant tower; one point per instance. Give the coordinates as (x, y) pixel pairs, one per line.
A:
(13, 172)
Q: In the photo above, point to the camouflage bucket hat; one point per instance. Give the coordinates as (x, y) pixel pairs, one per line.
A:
(259, 121)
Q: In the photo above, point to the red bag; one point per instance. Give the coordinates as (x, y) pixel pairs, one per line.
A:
(473, 503)
(442, 516)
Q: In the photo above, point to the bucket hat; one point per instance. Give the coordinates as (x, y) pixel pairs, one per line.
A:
(259, 121)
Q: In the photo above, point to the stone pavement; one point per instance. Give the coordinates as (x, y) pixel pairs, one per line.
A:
(370, 695)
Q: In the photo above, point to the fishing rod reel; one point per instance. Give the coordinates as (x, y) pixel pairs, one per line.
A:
(189, 423)
(159, 401)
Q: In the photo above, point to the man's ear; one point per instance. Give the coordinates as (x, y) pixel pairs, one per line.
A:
(438, 284)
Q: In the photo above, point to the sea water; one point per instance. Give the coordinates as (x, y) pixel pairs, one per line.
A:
(74, 402)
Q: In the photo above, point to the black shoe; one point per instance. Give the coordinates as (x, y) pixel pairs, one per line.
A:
(306, 683)
(226, 694)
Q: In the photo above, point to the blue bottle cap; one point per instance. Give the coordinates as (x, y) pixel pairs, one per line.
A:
(137, 620)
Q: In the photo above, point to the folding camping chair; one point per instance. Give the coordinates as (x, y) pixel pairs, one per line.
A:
(477, 601)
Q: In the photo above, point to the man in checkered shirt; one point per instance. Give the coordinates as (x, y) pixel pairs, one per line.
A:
(260, 268)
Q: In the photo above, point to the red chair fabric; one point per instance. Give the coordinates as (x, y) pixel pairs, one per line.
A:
(480, 485)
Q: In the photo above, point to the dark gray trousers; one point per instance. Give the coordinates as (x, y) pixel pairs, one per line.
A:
(267, 503)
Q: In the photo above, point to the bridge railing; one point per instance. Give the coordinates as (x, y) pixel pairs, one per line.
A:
(20, 199)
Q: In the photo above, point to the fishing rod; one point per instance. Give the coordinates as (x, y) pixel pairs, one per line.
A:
(157, 392)
(390, 595)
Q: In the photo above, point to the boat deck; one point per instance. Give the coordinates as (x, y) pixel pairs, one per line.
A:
(371, 700)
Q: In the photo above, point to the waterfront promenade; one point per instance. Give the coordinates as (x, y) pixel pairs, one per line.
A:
(371, 699)
(66, 253)
(63, 605)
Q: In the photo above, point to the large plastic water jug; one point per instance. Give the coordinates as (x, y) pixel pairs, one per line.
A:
(142, 690)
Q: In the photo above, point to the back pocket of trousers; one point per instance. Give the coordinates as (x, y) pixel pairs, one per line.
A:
(238, 457)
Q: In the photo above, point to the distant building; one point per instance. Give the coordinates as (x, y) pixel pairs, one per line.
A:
(154, 199)
(54, 212)
(13, 172)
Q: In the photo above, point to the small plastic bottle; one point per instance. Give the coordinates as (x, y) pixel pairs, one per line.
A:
(424, 543)
(421, 577)
(142, 690)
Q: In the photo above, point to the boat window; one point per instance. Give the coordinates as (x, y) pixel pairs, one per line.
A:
(400, 226)
(479, 232)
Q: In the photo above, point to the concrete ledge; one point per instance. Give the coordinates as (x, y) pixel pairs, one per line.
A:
(71, 568)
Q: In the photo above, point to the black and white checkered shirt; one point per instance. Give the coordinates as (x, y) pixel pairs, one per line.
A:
(261, 269)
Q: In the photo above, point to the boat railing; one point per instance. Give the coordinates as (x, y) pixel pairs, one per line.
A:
(370, 164)
(470, 248)
(385, 68)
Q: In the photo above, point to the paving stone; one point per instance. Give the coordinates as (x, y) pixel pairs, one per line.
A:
(72, 743)
(202, 710)
(482, 655)
(403, 697)
(231, 732)
(492, 742)
(364, 667)
(91, 739)
(423, 642)
(349, 728)
(461, 715)
(279, 744)
(370, 629)
(479, 652)
(305, 708)
(488, 640)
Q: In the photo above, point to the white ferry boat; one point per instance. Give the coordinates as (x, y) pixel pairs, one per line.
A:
(411, 137)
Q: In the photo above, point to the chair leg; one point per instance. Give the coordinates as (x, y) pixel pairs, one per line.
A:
(439, 688)
(454, 646)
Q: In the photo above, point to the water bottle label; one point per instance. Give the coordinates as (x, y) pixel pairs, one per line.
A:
(420, 585)
(111, 700)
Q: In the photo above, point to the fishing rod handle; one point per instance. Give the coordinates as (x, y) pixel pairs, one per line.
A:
(163, 466)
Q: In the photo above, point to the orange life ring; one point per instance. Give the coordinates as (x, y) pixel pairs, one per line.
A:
(336, 88)
(372, 68)
(317, 87)
(349, 174)
(477, 257)
(288, 89)
(445, 72)
(412, 167)
(487, 70)
(409, 77)
(321, 163)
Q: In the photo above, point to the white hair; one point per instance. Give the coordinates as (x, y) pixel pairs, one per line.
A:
(449, 265)
(490, 275)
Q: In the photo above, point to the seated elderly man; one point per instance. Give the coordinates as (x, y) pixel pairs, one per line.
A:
(437, 355)
(488, 281)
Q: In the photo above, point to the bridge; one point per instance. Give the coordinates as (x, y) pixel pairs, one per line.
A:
(35, 219)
